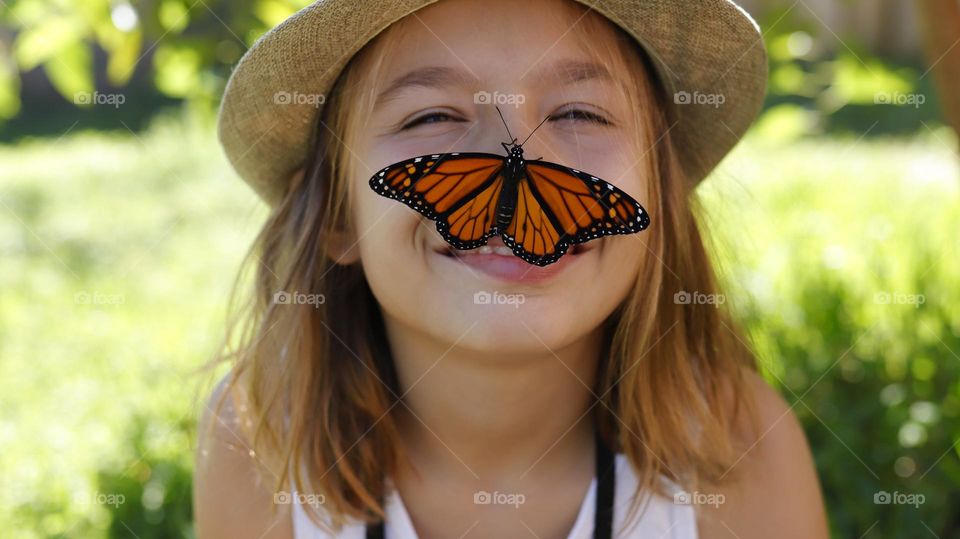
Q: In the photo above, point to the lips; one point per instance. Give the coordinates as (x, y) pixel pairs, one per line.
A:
(496, 260)
(496, 246)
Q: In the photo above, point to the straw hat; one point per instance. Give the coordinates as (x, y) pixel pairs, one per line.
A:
(708, 53)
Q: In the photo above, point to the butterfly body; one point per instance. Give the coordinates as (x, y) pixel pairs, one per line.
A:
(538, 208)
(514, 168)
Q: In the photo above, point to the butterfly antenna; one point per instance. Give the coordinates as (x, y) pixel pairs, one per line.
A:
(532, 132)
(512, 140)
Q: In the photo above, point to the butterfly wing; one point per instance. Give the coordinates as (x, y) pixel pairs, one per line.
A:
(563, 206)
(459, 191)
(532, 234)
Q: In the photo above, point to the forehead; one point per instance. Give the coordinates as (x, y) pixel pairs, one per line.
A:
(497, 40)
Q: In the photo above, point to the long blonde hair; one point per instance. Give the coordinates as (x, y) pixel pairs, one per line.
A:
(319, 380)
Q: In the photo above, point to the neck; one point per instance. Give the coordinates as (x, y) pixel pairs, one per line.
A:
(468, 413)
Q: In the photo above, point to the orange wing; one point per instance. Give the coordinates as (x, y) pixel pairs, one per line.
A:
(531, 234)
(459, 191)
(563, 206)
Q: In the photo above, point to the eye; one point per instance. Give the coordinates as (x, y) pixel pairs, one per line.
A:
(429, 118)
(580, 115)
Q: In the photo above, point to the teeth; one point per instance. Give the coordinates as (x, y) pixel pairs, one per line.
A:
(486, 250)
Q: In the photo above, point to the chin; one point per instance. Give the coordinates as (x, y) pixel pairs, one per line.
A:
(537, 325)
(510, 343)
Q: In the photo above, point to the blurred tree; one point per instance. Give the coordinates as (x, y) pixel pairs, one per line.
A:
(189, 46)
(940, 20)
(157, 51)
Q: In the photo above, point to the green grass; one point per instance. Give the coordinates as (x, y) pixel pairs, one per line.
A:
(841, 258)
(117, 253)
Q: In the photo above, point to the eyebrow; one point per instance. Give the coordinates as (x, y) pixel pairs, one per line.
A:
(428, 77)
(571, 71)
(558, 73)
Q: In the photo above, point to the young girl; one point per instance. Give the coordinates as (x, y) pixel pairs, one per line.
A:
(385, 384)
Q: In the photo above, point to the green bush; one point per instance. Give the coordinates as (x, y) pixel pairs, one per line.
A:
(841, 257)
(152, 492)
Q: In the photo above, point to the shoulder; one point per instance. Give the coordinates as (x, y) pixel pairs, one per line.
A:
(233, 489)
(772, 490)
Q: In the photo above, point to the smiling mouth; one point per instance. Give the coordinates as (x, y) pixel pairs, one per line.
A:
(495, 246)
(497, 261)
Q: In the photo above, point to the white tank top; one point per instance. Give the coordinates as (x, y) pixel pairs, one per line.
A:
(660, 518)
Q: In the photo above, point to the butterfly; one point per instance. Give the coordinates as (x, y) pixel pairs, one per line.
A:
(538, 208)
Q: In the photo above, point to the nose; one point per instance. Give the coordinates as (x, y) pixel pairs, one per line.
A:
(502, 123)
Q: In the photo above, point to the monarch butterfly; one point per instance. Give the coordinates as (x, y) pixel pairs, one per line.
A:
(538, 208)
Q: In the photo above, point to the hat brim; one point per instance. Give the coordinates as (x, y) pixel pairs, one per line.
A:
(709, 54)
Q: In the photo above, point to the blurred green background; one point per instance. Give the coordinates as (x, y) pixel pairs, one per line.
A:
(122, 227)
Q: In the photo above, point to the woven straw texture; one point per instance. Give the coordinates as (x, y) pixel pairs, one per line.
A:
(701, 48)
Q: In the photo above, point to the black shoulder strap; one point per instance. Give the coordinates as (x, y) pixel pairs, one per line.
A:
(603, 512)
(606, 487)
(375, 530)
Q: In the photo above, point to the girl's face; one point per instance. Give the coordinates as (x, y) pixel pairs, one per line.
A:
(453, 62)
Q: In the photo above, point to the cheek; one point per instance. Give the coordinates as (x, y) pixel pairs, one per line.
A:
(386, 237)
(607, 280)
(395, 246)
(384, 227)
(621, 261)
(624, 171)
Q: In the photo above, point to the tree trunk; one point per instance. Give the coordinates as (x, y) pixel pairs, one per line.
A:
(940, 28)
